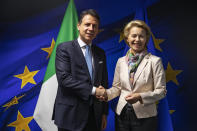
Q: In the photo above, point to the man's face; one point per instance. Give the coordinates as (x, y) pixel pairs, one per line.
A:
(88, 28)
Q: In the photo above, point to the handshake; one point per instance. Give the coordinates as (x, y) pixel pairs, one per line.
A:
(101, 94)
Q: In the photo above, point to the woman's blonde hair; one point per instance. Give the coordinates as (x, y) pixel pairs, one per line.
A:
(137, 23)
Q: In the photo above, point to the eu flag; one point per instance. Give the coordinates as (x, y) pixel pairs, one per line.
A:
(26, 45)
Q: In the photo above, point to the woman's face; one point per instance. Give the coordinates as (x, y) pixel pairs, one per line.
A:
(137, 39)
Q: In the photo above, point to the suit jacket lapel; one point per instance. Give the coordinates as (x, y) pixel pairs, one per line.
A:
(96, 61)
(80, 57)
(125, 71)
(140, 68)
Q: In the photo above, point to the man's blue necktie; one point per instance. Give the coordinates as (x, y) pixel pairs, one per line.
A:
(88, 58)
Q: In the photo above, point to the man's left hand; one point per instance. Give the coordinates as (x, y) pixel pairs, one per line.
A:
(104, 122)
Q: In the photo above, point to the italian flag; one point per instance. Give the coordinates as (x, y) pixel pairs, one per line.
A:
(44, 107)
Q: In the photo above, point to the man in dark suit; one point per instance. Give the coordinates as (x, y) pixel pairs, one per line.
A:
(81, 81)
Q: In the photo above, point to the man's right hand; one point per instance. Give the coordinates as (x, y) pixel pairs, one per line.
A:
(101, 93)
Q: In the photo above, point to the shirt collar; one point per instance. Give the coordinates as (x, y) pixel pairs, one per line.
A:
(81, 43)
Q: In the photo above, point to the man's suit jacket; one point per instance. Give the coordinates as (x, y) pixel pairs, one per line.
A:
(149, 81)
(75, 86)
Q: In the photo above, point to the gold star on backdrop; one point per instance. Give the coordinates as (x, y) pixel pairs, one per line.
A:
(121, 36)
(14, 101)
(157, 103)
(119, 31)
(157, 42)
(100, 30)
(27, 77)
(21, 124)
(171, 74)
(49, 50)
(171, 111)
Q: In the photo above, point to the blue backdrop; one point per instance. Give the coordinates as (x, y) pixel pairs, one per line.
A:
(22, 38)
